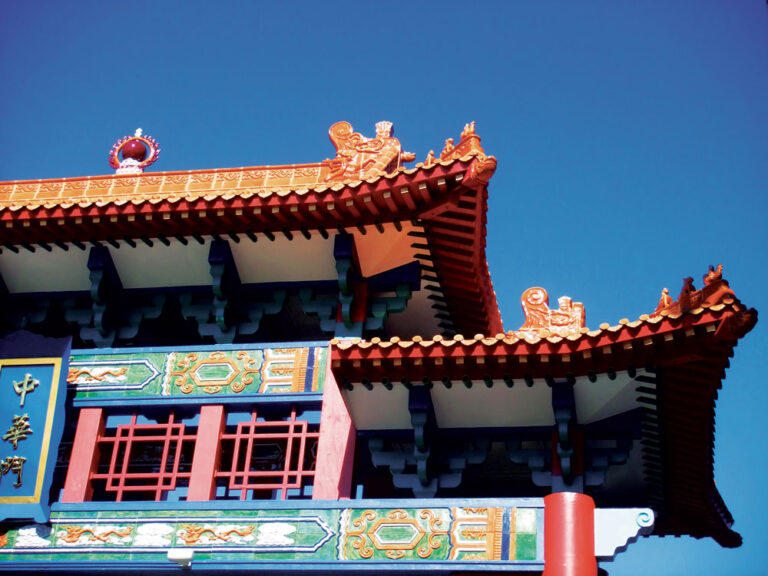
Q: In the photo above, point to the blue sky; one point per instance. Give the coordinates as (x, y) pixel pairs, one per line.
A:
(632, 141)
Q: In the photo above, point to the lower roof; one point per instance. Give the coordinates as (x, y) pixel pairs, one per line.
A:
(686, 348)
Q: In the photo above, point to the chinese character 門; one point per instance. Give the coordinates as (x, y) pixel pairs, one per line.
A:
(13, 464)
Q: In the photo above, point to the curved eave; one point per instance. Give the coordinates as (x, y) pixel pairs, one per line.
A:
(435, 197)
(689, 350)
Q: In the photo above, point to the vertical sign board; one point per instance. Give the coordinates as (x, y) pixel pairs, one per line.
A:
(32, 397)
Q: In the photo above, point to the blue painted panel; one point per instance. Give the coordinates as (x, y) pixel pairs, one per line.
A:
(32, 398)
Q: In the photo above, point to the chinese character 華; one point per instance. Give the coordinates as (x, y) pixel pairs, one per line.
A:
(19, 430)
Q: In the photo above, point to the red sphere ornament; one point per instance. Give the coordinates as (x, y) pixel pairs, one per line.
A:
(134, 149)
(141, 150)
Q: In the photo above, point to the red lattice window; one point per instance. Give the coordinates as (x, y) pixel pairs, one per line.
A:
(268, 458)
(143, 461)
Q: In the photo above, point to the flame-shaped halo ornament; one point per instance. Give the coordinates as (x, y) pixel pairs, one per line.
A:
(138, 152)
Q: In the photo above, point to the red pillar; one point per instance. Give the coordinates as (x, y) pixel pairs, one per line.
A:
(569, 535)
(336, 445)
(202, 483)
(85, 455)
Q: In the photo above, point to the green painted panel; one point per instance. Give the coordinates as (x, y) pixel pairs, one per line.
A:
(293, 369)
(304, 535)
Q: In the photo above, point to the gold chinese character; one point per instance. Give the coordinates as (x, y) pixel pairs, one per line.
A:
(19, 430)
(26, 385)
(13, 464)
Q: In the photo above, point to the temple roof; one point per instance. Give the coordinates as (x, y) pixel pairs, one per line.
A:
(438, 207)
(672, 361)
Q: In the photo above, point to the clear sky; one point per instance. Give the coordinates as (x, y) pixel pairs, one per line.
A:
(632, 141)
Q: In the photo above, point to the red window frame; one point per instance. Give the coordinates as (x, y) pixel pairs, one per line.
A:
(298, 438)
(120, 480)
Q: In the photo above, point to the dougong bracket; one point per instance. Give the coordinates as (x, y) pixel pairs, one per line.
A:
(564, 408)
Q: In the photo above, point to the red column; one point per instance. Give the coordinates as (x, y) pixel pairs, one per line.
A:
(202, 483)
(336, 445)
(569, 535)
(85, 455)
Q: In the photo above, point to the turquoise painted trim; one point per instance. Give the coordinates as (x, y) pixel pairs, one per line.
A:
(298, 398)
(204, 348)
(320, 568)
(302, 504)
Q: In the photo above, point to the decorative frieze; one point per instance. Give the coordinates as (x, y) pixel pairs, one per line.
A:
(507, 532)
(200, 372)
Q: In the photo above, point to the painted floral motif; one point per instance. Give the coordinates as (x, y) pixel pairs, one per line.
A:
(217, 371)
(397, 534)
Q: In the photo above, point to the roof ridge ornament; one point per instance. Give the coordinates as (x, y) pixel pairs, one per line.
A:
(358, 157)
(138, 152)
(567, 320)
(469, 143)
(715, 290)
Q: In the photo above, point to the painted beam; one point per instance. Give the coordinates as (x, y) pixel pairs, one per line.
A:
(202, 483)
(336, 446)
(85, 455)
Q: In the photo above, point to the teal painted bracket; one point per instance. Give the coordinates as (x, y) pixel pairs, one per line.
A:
(428, 467)
(229, 314)
(382, 306)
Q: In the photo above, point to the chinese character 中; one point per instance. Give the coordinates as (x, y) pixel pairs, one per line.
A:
(25, 386)
(13, 464)
(19, 430)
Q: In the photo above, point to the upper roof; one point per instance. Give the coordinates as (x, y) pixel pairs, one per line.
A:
(364, 187)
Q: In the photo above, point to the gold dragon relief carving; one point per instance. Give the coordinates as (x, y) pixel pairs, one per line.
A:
(72, 534)
(193, 534)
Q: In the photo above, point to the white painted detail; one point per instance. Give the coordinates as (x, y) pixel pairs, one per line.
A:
(182, 556)
(616, 528)
(129, 166)
(275, 534)
(33, 536)
(153, 535)
(525, 520)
